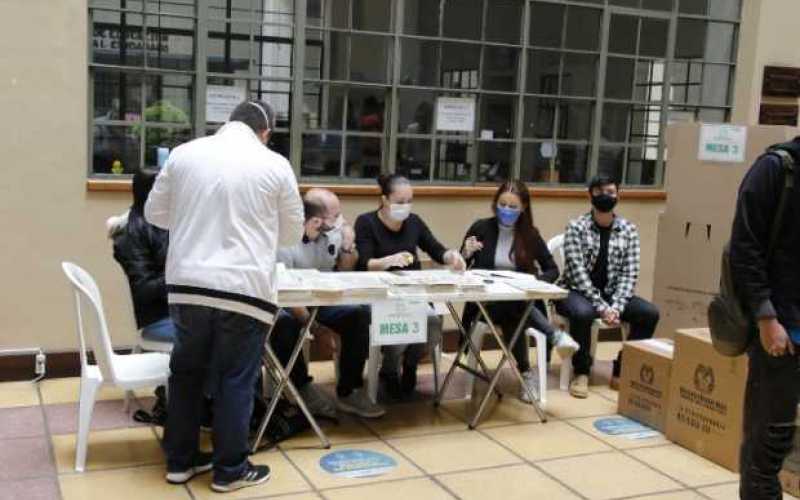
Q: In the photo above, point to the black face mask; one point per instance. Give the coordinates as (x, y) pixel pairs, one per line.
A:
(604, 202)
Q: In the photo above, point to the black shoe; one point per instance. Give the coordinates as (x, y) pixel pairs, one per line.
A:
(409, 381)
(392, 384)
(202, 464)
(253, 475)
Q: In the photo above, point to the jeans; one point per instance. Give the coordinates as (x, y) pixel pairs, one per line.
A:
(411, 354)
(351, 323)
(222, 349)
(507, 316)
(640, 314)
(163, 330)
(772, 394)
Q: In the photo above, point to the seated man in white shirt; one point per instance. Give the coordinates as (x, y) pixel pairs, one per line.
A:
(327, 245)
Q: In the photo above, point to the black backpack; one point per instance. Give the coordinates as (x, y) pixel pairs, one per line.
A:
(732, 328)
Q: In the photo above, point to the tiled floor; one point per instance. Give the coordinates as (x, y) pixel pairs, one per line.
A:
(510, 456)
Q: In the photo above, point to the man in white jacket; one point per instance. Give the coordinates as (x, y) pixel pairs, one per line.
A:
(228, 203)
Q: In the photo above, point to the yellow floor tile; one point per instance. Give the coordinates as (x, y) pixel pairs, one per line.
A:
(15, 394)
(547, 441)
(561, 405)
(685, 466)
(454, 451)
(68, 390)
(138, 483)
(307, 460)
(675, 495)
(605, 391)
(620, 442)
(729, 491)
(507, 411)
(602, 476)
(110, 449)
(414, 419)
(518, 482)
(395, 490)
(348, 430)
(284, 479)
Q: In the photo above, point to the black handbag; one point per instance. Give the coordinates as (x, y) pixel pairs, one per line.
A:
(732, 328)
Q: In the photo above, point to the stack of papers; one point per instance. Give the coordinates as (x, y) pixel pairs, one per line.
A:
(520, 281)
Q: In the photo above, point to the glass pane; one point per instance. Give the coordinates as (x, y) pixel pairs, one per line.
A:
(498, 116)
(500, 68)
(579, 74)
(615, 122)
(324, 106)
(336, 13)
(336, 54)
(494, 161)
(571, 163)
(536, 160)
(657, 4)
(162, 138)
(363, 157)
(460, 63)
(645, 124)
(421, 17)
(414, 158)
(641, 170)
(115, 150)
(547, 23)
(723, 9)
(540, 117)
(419, 60)
(649, 80)
(229, 49)
(415, 112)
(453, 160)
(543, 68)
(716, 83)
(622, 34)
(370, 58)
(169, 99)
(372, 15)
(462, 19)
(366, 109)
(117, 39)
(583, 28)
(280, 143)
(314, 12)
(619, 78)
(625, 3)
(170, 43)
(720, 42)
(691, 39)
(116, 4)
(686, 82)
(503, 21)
(117, 96)
(653, 38)
(321, 155)
(610, 161)
(575, 120)
(710, 115)
(313, 69)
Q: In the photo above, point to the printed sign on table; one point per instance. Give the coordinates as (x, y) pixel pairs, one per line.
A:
(399, 322)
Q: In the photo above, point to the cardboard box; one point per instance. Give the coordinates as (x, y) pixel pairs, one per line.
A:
(644, 381)
(706, 399)
(696, 223)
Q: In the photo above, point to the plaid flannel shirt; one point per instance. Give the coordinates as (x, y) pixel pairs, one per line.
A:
(581, 248)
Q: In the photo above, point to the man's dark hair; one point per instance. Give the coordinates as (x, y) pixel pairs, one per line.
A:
(258, 115)
(313, 208)
(143, 181)
(602, 180)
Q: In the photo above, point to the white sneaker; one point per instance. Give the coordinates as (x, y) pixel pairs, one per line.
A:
(318, 403)
(565, 345)
(531, 379)
(358, 403)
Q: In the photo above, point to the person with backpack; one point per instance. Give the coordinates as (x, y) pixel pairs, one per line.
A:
(764, 254)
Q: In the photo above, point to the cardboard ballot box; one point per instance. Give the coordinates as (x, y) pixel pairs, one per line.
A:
(706, 399)
(644, 382)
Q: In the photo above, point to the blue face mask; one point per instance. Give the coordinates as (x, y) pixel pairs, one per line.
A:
(508, 216)
(794, 334)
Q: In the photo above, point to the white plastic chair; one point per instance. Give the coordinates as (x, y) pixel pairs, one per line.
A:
(556, 247)
(129, 372)
(480, 329)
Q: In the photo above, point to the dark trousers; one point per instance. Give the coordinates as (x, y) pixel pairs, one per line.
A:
(773, 391)
(507, 316)
(641, 315)
(220, 351)
(351, 323)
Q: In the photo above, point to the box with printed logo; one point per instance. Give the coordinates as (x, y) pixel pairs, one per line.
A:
(644, 382)
(706, 399)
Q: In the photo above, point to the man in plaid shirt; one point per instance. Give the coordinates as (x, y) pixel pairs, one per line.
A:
(601, 268)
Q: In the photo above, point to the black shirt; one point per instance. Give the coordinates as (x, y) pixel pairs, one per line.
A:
(599, 274)
(374, 240)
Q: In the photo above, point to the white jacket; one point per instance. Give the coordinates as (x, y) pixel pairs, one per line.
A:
(228, 203)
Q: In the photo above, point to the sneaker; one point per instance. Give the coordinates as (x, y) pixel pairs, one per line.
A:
(252, 476)
(318, 403)
(202, 464)
(579, 387)
(358, 403)
(531, 379)
(565, 345)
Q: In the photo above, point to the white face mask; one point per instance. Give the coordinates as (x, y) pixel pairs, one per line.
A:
(399, 211)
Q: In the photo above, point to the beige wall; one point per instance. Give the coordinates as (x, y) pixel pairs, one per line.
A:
(768, 37)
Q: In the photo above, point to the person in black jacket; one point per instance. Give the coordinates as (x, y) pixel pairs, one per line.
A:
(510, 241)
(770, 289)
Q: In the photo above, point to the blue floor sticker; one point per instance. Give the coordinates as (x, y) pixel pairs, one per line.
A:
(621, 426)
(357, 463)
